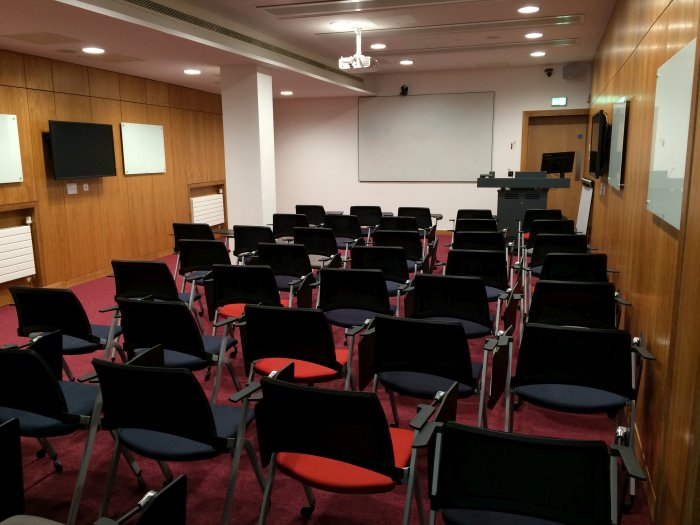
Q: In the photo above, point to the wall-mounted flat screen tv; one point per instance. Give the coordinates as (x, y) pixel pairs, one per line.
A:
(81, 150)
(600, 141)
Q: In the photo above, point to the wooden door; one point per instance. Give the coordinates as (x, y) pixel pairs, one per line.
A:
(554, 131)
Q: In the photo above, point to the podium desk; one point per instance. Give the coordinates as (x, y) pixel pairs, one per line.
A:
(515, 195)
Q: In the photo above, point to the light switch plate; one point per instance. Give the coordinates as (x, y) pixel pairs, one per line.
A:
(72, 188)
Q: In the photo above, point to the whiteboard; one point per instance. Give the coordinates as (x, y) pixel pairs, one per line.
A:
(442, 137)
(584, 206)
(143, 148)
(10, 156)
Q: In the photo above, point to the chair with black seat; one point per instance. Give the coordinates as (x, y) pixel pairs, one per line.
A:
(422, 215)
(47, 407)
(291, 267)
(196, 260)
(347, 232)
(476, 225)
(582, 267)
(246, 239)
(416, 358)
(321, 246)
(541, 226)
(230, 288)
(475, 240)
(534, 214)
(11, 474)
(391, 260)
(186, 230)
(483, 476)
(341, 444)
(301, 335)
(42, 310)
(283, 225)
(163, 414)
(315, 213)
(474, 213)
(450, 298)
(416, 255)
(149, 323)
(397, 222)
(369, 217)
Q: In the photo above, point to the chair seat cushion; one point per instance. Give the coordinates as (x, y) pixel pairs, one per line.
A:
(471, 329)
(492, 293)
(335, 476)
(536, 270)
(348, 317)
(23, 519)
(232, 310)
(482, 517)
(175, 359)
(212, 343)
(571, 397)
(102, 331)
(424, 386)
(283, 281)
(304, 371)
(80, 397)
(74, 346)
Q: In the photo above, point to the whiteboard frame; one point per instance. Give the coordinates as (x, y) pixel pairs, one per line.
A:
(143, 148)
(10, 153)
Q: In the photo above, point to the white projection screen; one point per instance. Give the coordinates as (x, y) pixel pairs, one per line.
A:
(430, 138)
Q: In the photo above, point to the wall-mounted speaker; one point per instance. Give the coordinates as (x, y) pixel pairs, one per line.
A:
(569, 71)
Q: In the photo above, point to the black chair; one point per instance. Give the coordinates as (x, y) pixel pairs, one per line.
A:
(396, 222)
(291, 267)
(417, 358)
(246, 240)
(474, 213)
(300, 335)
(315, 213)
(412, 244)
(196, 261)
(172, 325)
(391, 260)
(186, 230)
(341, 443)
(347, 232)
(321, 246)
(537, 214)
(476, 225)
(450, 298)
(422, 215)
(163, 414)
(231, 288)
(369, 217)
(541, 226)
(47, 407)
(582, 267)
(283, 225)
(41, 310)
(482, 476)
(11, 474)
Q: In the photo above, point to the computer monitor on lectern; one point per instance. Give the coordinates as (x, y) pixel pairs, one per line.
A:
(560, 162)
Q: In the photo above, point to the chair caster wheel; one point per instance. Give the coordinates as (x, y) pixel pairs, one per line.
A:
(40, 453)
(58, 467)
(306, 512)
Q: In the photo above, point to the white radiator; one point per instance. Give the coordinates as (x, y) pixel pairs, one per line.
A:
(208, 209)
(16, 253)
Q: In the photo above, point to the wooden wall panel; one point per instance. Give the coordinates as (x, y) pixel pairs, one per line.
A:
(11, 69)
(70, 78)
(13, 101)
(103, 84)
(156, 93)
(132, 89)
(38, 73)
(163, 187)
(179, 135)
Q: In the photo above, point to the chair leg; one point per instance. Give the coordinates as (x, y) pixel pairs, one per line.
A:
(265, 507)
(84, 462)
(348, 377)
(394, 410)
(307, 511)
(109, 484)
(165, 469)
(235, 463)
(256, 465)
(67, 370)
(412, 491)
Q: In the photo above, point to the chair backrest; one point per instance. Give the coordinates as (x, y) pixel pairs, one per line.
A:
(315, 213)
(241, 284)
(448, 296)
(398, 222)
(594, 357)
(540, 226)
(415, 345)
(186, 230)
(547, 243)
(345, 426)
(144, 279)
(490, 265)
(246, 238)
(285, 259)
(361, 289)
(318, 241)
(346, 226)
(391, 260)
(479, 241)
(11, 474)
(571, 303)
(583, 267)
(534, 214)
(167, 506)
(283, 224)
(476, 225)
(472, 213)
(168, 400)
(198, 255)
(367, 215)
(422, 215)
(299, 333)
(169, 323)
(565, 481)
(49, 346)
(49, 309)
(410, 241)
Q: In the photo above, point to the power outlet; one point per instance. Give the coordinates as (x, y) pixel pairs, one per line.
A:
(86, 187)
(72, 188)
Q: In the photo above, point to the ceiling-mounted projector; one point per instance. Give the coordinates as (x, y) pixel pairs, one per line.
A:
(358, 60)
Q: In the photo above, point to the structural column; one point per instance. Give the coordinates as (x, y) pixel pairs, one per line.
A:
(249, 145)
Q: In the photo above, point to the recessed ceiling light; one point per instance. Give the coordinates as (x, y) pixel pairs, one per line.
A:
(93, 50)
(406, 62)
(192, 72)
(528, 9)
(533, 36)
(378, 45)
(286, 93)
(538, 54)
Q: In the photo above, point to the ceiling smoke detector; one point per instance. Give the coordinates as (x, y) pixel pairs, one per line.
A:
(358, 60)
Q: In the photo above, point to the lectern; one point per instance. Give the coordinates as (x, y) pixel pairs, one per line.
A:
(515, 195)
